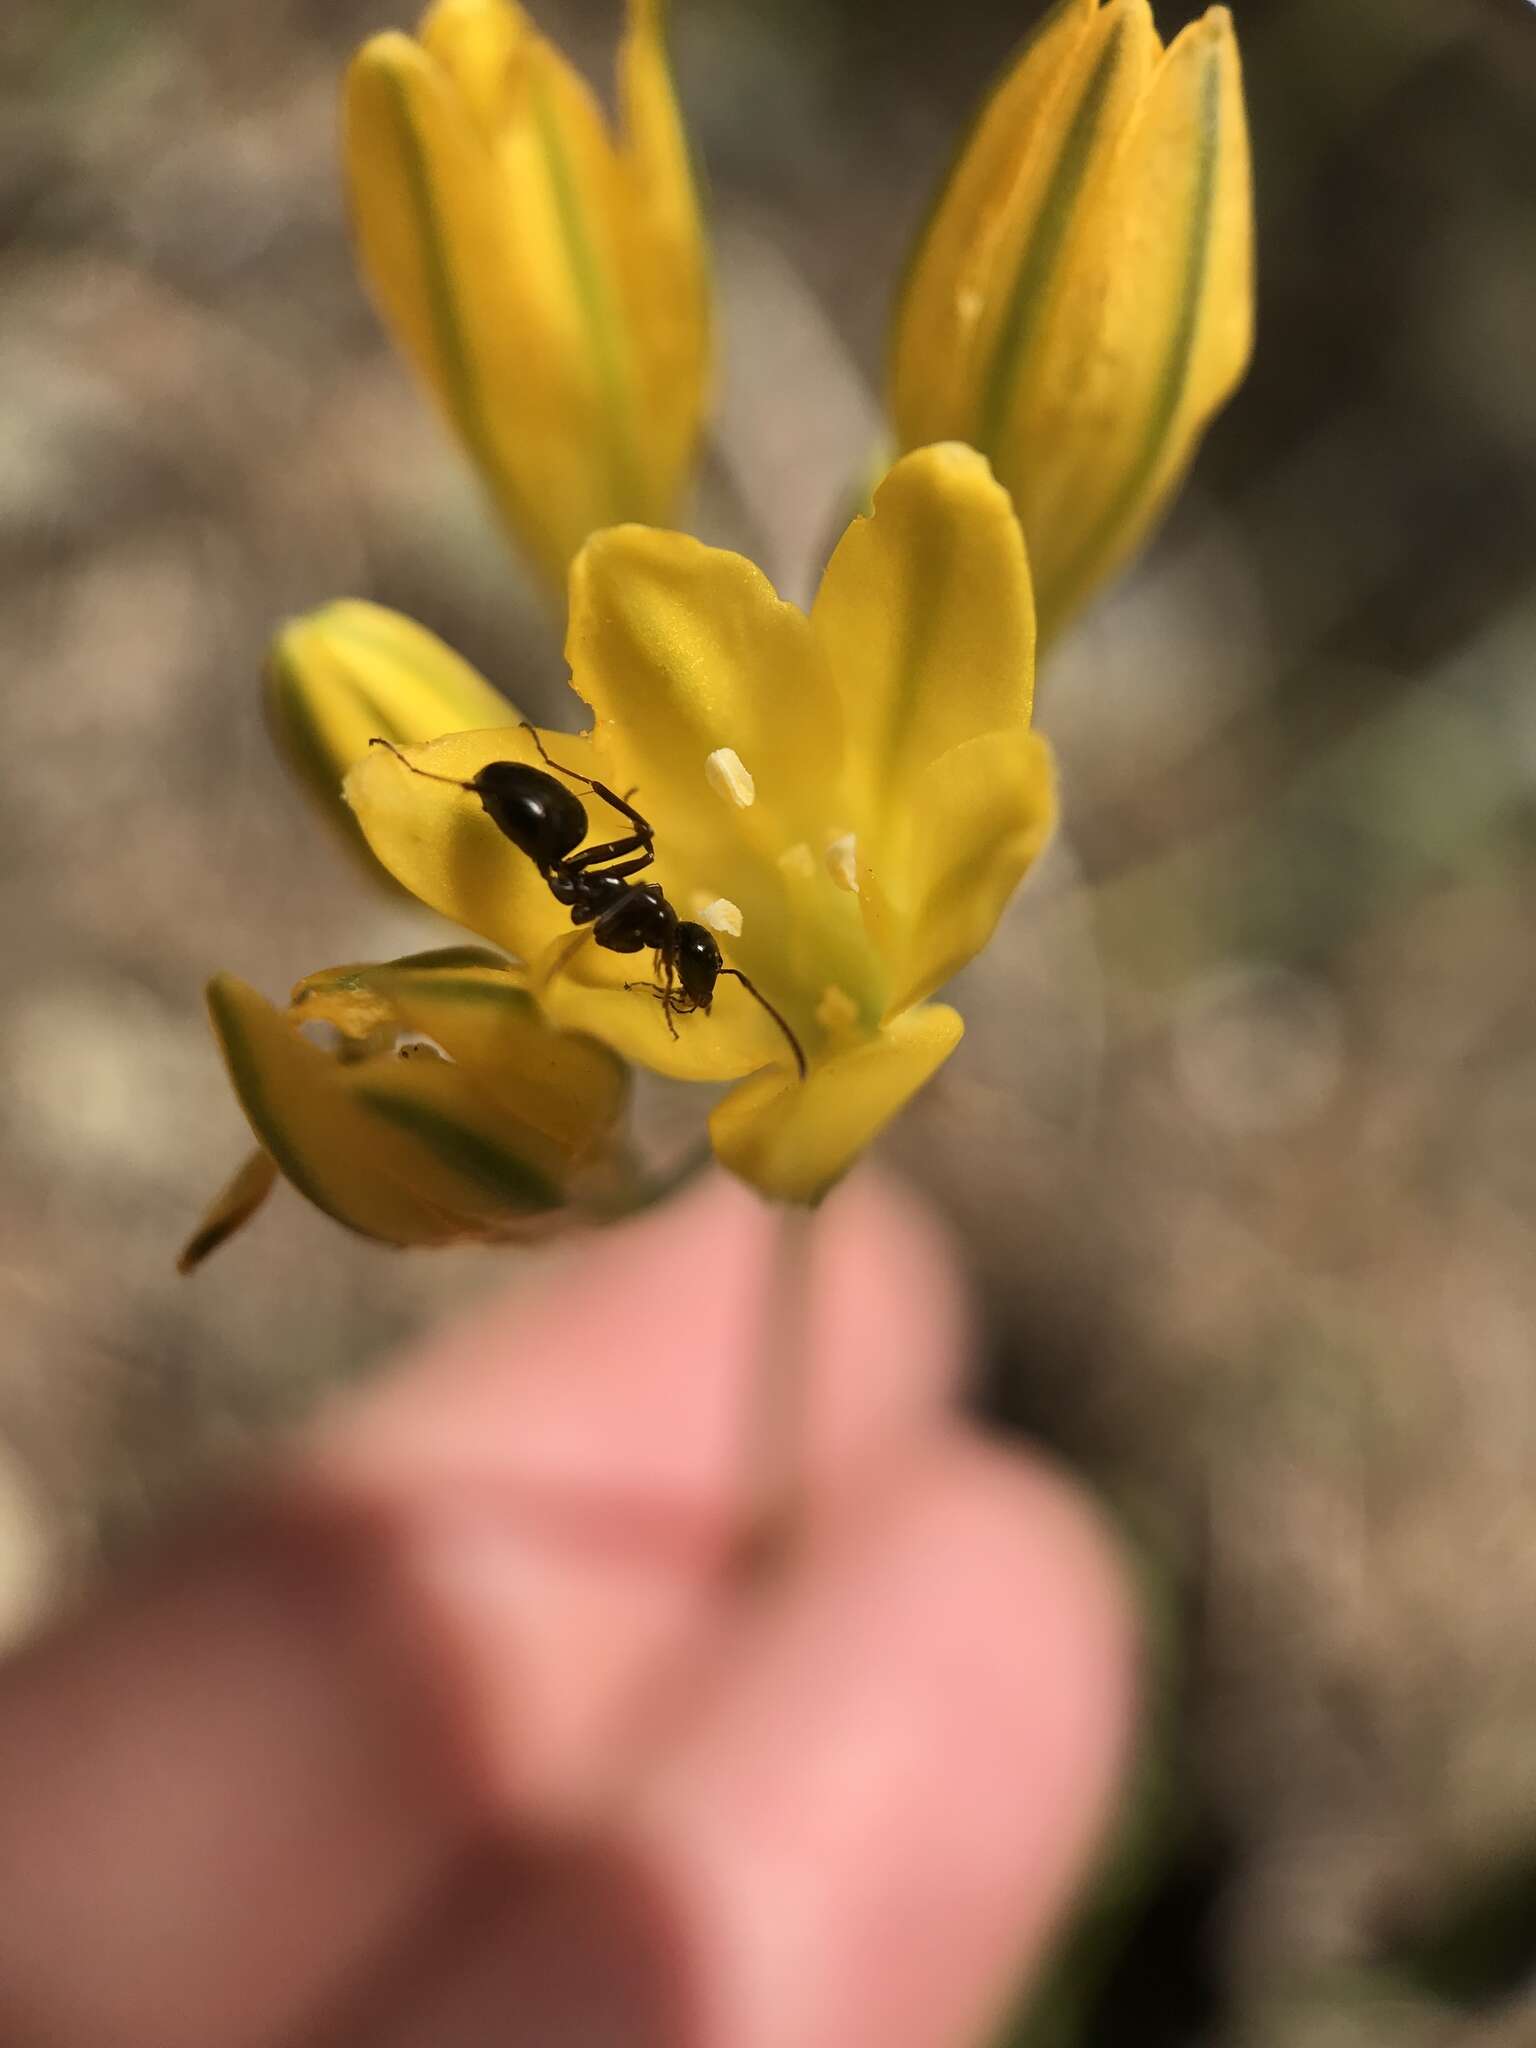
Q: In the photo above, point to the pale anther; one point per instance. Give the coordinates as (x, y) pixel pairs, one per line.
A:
(843, 863)
(719, 913)
(798, 861)
(728, 778)
(837, 1013)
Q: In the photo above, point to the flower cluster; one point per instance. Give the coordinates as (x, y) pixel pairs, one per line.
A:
(846, 796)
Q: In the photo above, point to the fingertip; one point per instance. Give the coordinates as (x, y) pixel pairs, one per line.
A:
(630, 1362)
(896, 1261)
(877, 1815)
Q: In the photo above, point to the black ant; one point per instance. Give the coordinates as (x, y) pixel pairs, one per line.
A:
(547, 822)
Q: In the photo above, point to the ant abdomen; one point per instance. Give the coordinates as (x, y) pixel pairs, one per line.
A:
(540, 816)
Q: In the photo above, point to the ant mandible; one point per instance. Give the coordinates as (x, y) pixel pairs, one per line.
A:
(545, 820)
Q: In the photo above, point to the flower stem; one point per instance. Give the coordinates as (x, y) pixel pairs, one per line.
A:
(777, 1397)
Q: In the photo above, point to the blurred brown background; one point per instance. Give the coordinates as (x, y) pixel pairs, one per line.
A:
(1243, 1137)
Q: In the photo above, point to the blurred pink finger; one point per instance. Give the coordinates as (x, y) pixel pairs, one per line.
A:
(866, 1825)
(455, 1617)
(628, 1373)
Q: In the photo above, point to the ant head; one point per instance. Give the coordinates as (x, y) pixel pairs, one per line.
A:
(698, 963)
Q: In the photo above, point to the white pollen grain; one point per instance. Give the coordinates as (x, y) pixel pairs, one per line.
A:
(728, 778)
(843, 863)
(719, 913)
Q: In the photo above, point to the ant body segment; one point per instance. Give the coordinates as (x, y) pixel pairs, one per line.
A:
(547, 821)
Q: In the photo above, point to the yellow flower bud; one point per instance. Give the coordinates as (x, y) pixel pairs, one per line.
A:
(1081, 302)
(352, 672)
(447, 1107)
(546, 274)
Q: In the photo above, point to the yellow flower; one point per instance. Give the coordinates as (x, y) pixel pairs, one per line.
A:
(1081, 301)
(546, 276)
(849, 797)
(449, 1108)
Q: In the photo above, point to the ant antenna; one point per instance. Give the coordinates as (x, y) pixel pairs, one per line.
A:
(753, 990)
(430, 773)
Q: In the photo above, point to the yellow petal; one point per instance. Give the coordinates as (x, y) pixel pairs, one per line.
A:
(926, 620)
(664, 255)
(350, 672)
(1156, 333)
(230, 1210)
(406, 1150)
(464, 245)
(363, 1004)
(548, 284)
(979, 817)
(1036, 247)
(433, 244)
(563, 1085)
(712, 697)
(794, 1140)
(683, 651)
(627, 211)
(1018, 132)
(587, 989)
(481, 45)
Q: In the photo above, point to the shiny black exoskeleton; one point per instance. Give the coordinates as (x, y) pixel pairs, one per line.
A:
(548, 822)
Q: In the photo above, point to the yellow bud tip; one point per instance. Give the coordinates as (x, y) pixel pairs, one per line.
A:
(387, 53)
(728, 778)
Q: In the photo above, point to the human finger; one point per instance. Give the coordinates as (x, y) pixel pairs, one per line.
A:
(867, 1822)
(224, 1791)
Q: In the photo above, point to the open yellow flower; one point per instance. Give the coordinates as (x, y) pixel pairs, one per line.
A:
(546, 275)
(1081, 301)
(848, 797)
(447, 1108)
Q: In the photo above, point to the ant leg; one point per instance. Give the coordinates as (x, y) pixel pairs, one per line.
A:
(431, 774)
(752, 989)
(663, 996)
(616, 849)
(644, 830)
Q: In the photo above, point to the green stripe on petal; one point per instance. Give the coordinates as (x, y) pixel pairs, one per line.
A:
(547, 279)
(1185, 198)
(562, 1088)
(1118, 54)
(230, 1210)
(507, 1181)
(950, 273)
(412, 1149)
(403, 120)
(287, 1089)
(600, 313)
